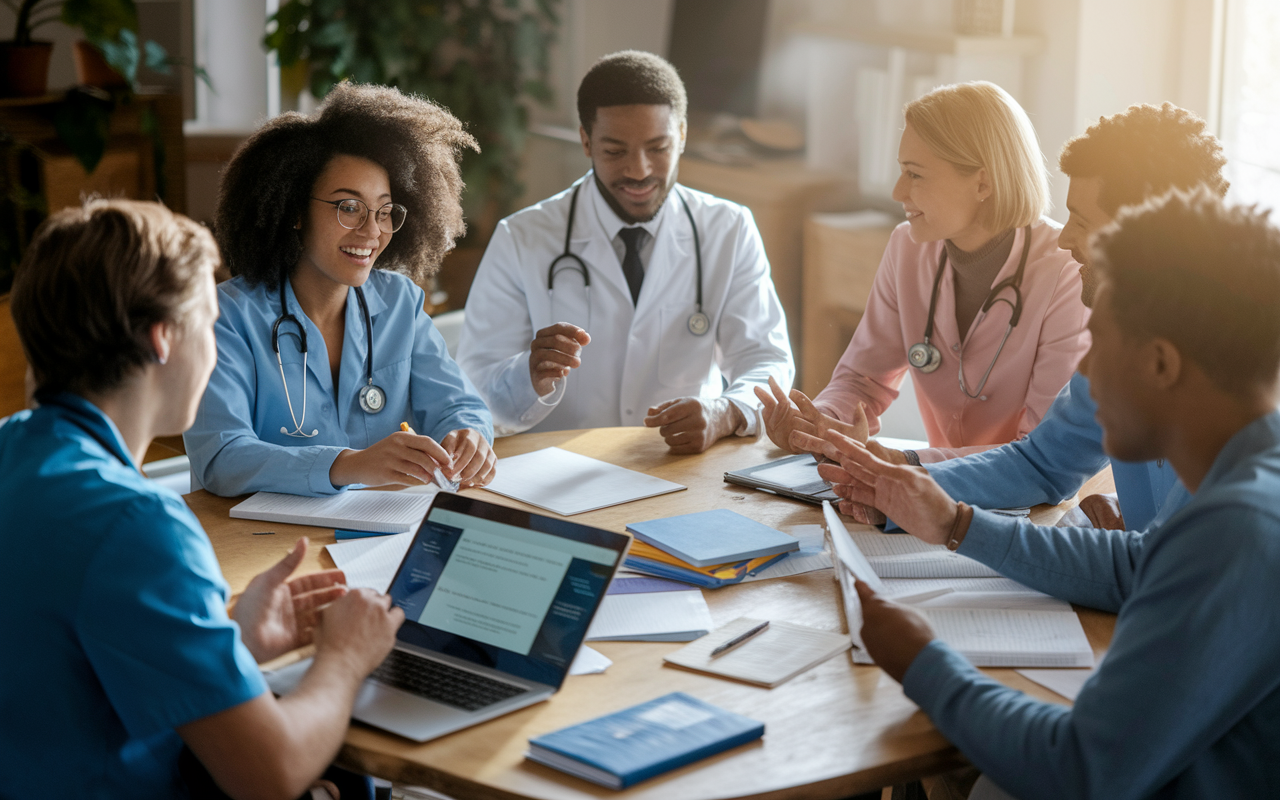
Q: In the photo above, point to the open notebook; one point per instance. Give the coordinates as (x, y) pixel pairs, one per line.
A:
(990, 620)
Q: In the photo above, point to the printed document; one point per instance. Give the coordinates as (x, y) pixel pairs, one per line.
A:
(567, 483)
(366, 510)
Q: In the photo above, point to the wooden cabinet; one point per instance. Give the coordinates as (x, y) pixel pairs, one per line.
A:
(841, 255)
(781, 195)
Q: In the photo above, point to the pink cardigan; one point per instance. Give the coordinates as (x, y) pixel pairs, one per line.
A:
(1037, 361)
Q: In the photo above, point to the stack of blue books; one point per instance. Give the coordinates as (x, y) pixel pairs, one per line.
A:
(709, 548)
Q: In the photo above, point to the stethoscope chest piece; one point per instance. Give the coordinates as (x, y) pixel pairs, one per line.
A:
(924, 356)
(699, 323)
(372, 399)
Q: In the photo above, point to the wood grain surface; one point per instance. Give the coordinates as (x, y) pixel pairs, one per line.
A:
(836, 730)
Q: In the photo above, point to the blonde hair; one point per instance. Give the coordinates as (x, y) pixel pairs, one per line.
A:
(978, 125)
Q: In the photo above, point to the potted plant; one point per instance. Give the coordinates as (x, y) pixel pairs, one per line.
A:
(24, 61)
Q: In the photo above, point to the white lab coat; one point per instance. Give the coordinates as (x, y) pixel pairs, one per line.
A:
(642, 354)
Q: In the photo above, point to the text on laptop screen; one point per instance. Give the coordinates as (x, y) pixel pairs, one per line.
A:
(496, 594)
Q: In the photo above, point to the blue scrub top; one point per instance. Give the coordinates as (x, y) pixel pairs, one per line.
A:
(236, 445)
(115, 626)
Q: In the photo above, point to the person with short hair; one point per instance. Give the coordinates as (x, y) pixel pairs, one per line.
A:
(627, 299)
(324, 346)
(973, 296)
(115, 610)
(1184, 366)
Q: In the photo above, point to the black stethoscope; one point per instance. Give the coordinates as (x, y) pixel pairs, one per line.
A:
(926, 357)
(372, 398)
(699, 323)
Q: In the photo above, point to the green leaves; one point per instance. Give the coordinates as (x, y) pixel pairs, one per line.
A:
(482, 59)
(101, 20)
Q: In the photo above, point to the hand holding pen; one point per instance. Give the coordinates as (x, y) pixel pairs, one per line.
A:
(471, 461)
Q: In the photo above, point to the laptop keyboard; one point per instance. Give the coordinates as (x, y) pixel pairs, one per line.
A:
(441, 682)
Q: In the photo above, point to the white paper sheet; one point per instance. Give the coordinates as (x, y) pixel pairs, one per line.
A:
(589, 662)
(655, 617)
(900, 555)
(373, 510)
(811, 557)
(371, 567)
(568, 483)
(1066, 682)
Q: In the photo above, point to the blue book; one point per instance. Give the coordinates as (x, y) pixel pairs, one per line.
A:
(714, 537)
(628, 746)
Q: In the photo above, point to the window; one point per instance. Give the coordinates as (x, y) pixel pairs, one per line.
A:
(1250, 121)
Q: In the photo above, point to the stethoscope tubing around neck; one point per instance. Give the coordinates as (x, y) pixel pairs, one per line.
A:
(372, 398)
(1013, 282)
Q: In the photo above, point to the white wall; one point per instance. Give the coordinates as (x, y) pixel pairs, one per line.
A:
(229, 46)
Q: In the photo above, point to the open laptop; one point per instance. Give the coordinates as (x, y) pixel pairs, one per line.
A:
(497, 602)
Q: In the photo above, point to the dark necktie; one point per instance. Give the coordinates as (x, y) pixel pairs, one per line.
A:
(633, 238)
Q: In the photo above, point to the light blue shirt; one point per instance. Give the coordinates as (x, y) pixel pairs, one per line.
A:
(1052, 462)
(236, 445)
(1186, 703)
(115, 626)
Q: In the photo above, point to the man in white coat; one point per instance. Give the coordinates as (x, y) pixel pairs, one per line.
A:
(627, 299)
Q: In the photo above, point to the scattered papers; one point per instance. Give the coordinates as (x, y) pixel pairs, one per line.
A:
(651, 617)
(624, 584)
(370, 510)
(1066, 682)
(781, 652)
(901, 555)
(370, 563)
(589, 662)
(567, 483)
(811, 557)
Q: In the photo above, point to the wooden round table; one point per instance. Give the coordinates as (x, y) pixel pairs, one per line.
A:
(836, 730)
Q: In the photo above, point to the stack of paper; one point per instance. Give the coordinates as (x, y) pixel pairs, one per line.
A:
(718, 536)
(781, 652)
(662, 616)
(567, 483)
(992, 621)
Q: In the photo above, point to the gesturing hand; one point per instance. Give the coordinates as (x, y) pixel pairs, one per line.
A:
(554, 351)
(276, 616)
(1103, 510)
(894, 634)
(907, 494)
(474, 463)
(360, 628)
(691, 425)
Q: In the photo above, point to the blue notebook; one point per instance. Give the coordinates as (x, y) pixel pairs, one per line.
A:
(628, 746)
(714, 537)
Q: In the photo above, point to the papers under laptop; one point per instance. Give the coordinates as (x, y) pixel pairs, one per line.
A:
(992, 621)
(497, 602)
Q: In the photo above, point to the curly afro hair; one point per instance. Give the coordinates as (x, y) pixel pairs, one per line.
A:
(268, 183)
(1145, 151)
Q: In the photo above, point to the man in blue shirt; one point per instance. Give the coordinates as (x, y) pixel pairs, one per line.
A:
(1124, 159)
(1184, 366)
(119, 648)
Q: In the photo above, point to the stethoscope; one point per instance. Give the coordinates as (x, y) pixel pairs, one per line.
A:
(699, 323)
(372, 398)
(926, 357)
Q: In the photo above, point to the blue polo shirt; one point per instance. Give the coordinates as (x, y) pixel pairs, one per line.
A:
(114, 626)
(1186, 703)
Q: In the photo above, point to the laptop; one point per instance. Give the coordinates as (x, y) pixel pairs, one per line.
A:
(497, 602)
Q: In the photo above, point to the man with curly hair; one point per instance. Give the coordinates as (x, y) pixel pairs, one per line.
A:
(322, 357)
(627, 299)
(1123, 160)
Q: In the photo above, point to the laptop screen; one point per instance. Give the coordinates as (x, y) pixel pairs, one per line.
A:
(503, 588)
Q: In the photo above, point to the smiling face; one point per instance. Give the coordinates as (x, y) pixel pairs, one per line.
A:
(940, 202)
(334, 254)
(635, 152)
(1086, 217)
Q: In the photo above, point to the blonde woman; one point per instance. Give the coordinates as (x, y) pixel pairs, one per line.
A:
(973, 295)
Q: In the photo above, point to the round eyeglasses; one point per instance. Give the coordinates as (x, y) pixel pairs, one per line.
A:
(354, 213)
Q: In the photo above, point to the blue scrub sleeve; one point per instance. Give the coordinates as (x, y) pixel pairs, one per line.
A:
(152, 620)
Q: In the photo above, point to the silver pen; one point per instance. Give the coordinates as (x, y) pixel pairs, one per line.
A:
(739, 639)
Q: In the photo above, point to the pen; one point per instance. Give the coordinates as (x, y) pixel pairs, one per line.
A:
(441, 480)
(739, 639)
(920, 597)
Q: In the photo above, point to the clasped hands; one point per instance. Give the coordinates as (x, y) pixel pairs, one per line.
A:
(406, 458)
(894, 634)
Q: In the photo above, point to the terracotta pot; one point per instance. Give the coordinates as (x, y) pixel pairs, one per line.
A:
(24, 69)
(92, 68)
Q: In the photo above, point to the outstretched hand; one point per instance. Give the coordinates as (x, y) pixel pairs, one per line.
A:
(276, 614)
(907, 494)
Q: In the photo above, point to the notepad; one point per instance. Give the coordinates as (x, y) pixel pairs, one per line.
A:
(628, 746)
(369, 510)
(718, 536)
(993, 622)
(781, 652)
(567, 483)
(370, 563)
(651, 617)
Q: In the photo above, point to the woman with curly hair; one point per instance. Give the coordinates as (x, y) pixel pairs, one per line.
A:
(320, 356)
